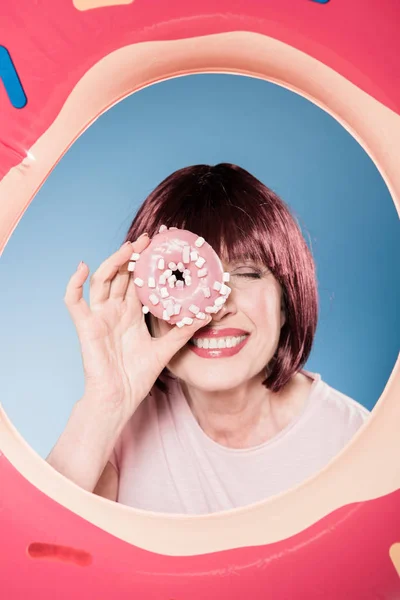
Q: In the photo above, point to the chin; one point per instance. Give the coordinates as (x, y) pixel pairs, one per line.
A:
(213, 380)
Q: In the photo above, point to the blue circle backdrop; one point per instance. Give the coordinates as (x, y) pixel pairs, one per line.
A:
(84, 209)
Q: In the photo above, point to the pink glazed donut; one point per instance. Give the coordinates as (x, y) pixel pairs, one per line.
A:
(179, 277)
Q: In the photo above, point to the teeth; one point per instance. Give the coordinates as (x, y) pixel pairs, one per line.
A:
(225, 342)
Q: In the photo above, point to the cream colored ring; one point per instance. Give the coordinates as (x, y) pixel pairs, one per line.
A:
(377, 129)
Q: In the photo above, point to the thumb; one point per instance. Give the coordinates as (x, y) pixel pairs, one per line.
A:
(170, 343)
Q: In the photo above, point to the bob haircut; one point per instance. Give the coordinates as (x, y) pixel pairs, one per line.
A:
(241, 218)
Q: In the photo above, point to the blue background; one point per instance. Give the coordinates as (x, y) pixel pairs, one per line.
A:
(85, 207)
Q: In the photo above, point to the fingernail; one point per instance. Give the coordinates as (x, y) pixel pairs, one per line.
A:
(126, 244)
(80, 265)
(144, 234)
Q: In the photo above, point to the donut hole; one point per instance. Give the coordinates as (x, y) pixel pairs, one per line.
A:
(179, 275)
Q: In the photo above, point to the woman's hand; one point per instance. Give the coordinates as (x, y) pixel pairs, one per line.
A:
(121, 360)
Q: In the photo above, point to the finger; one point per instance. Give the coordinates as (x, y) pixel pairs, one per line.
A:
(100, 282)
(133, 304)
(119, 284)
(73, 297)
(170, 343)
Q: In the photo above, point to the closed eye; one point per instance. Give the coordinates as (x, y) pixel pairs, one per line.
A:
(251, 275)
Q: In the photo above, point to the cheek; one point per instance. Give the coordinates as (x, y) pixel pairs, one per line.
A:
(263, 307)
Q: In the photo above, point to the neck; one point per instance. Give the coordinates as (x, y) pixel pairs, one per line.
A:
(240, 417)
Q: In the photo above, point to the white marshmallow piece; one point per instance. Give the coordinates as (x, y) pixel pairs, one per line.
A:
(170, 308)
(161, 264)
(180, 266)
(164, 293)
(186, 254)
(186, 272)
(162, 280)
(177, 309)
(167, 273)
(172, 266)
(171, 281)
(210, 309)
(180, 324)
(202, 272)
(201, 316)
(194, 309)
(200, 262)
(199, 242)
(134, 256)
(226, 277)
(217, 286)
(206, 291)
(179, 284)
(154, 299)
(139, 282)
(219, 301)
(194, 256)
(145, 310)
(131, 266)
(188, 280)
(162, 228)
(224, 289)
(151, 282)
(165, 315)
(187, 320)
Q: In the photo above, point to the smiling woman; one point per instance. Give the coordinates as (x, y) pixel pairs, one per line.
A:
(219, 413)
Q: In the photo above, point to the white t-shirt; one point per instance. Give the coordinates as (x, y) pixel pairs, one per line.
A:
(166, 462)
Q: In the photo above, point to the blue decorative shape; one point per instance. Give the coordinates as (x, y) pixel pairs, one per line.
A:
(321, 1)
(10, 79)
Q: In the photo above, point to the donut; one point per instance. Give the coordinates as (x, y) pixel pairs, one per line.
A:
(179, 277)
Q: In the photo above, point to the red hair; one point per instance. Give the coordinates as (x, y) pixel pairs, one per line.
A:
(242, 218)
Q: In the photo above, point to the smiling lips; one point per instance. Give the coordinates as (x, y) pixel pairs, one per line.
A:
(218, 343)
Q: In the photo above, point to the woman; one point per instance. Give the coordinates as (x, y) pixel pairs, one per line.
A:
(164, 427)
